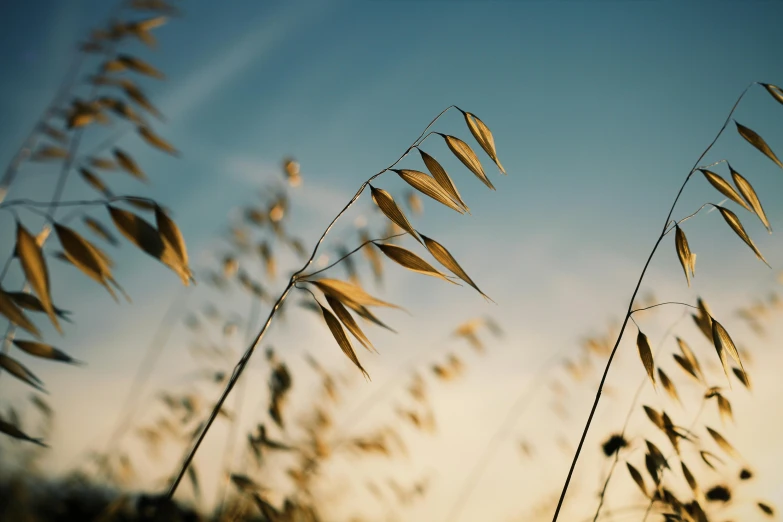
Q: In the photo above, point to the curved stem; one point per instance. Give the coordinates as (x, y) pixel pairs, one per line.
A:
(693, 425)
(628, 313)
(362, 408)
(379, 393)
(686, 218)
(639, 389)
(519, 406)
(353, 252)
(713, 164)
(230, 386)
(6, 266)
(240, 367)
(662, 304)
(154, 351)
(24, 153)
(25, 202)
(228, 451)
(29, 142)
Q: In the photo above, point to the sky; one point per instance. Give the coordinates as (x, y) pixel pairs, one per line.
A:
(599, 110)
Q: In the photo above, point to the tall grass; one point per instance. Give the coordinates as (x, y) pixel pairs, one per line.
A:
(279, 470)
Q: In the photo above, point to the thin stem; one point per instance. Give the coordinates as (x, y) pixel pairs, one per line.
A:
(662, 304)
(712, 164)
(6, 266)
(306, 276)
(108, 142)
(66, 166)
(690, 429)
(628, 419)
(619, 511)
(364, 185)
(296, 285)
(35, 211)
(686, 218)
(74, 145)
(29, 142)
(628, 313)
(516, 410)
(228, 451)
(73, 203)
(240, 367)
(144, 371)
(379, 393)
(362, 408)
(65, 170)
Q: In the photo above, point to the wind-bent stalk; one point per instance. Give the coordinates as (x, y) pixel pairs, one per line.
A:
(517, 409)
(297, 276)
(633, 297)
(151, 357)
(693, 424)
(32, 138)
(62, 177)
(228, 451)
(639, 389)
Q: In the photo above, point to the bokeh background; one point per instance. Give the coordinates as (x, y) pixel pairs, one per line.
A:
(599, 109)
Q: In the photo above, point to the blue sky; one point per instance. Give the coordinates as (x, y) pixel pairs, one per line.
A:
(598, 108)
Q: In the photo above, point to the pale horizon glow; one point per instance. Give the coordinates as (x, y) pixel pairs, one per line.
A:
(598, 110)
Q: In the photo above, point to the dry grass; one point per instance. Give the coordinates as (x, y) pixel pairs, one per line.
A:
(285, 459)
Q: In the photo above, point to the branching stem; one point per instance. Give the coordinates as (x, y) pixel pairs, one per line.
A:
(633, 297)
(240, 367)
(628, 416)
(306, 276)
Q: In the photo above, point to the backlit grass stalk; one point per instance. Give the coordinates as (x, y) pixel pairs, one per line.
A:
(240, 367)
(62, 177)
(633, 296)
(228, 450)
(628, 416)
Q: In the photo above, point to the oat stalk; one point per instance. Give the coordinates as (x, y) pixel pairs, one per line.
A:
(628, 416)
(242, 364)
(633, 297)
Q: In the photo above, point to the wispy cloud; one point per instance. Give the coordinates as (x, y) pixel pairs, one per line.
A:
(248, 170)
(227, 64)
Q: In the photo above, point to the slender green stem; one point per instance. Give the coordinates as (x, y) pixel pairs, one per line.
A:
(628, 313)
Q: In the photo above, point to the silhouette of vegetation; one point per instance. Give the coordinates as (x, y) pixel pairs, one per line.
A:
(680, 466)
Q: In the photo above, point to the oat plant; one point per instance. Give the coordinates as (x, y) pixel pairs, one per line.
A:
(339, 296)
(745, 196)
(83, 107)
(256, 235)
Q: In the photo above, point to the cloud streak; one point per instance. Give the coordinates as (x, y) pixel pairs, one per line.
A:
(254, 47)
